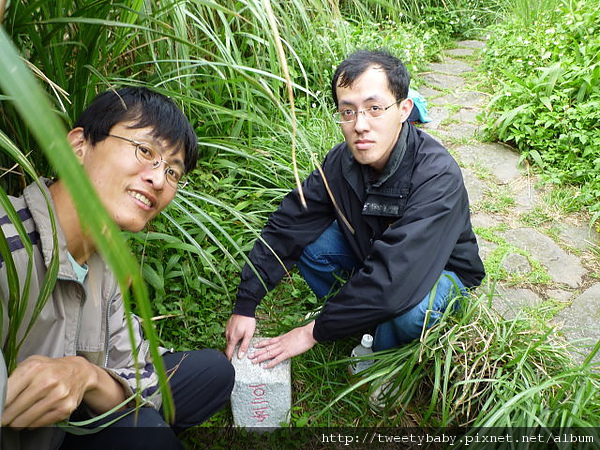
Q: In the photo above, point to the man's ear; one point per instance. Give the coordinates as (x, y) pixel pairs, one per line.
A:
(406, 107)
(79, 144)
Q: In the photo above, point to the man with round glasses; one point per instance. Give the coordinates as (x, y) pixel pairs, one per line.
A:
(387, 211)
(77, 362)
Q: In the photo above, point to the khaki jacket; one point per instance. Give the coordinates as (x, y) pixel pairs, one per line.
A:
(78, 319)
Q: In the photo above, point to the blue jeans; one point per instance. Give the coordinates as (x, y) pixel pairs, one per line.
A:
(329, 261)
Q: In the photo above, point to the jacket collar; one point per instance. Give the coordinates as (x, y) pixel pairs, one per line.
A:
(36, 203)
(357, 174)
(395, 159)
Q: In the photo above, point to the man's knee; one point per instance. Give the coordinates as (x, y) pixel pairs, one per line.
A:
(223, 376)
(409, 326)
(201, 384)
(215, 366)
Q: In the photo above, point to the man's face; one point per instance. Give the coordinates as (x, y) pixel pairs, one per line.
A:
(131, 192)
(372, 140)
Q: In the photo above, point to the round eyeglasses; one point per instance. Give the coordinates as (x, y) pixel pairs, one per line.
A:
(150, 157)
(373, 112)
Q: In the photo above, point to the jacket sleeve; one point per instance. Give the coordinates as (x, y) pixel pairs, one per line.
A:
(121, 364)
(289, 229)
(406, 261)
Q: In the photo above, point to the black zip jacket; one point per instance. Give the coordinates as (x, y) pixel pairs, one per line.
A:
(406, 227)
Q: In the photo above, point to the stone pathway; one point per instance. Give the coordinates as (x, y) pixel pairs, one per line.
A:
(547, 262)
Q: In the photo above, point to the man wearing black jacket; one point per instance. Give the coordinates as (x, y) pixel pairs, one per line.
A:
(387, 210)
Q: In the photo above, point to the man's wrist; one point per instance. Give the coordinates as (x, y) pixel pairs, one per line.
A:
(317, 331)
(244, 307)
(309, 327)
(88, 372)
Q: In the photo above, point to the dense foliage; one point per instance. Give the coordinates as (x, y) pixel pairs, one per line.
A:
(547, 79)
(220, 61)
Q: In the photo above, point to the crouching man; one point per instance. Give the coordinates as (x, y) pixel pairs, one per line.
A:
(385, 237)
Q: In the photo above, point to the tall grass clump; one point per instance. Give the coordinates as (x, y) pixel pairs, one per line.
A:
(457, 19)
(528, 12)
(475, 369)
(546, 73)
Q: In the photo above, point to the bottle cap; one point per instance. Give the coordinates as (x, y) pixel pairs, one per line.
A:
(367, 341)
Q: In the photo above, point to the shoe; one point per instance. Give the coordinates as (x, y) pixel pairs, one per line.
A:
(377, 399)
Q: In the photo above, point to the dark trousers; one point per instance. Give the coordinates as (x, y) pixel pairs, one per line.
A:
(201, 385)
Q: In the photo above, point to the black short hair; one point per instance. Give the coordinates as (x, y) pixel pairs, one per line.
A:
(146, 108)
(358, 62)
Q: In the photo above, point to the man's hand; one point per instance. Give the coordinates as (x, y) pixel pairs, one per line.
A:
(239, 328)
(42, 391)
(278, 349)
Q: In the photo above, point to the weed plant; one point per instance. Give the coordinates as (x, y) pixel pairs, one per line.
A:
(480, 370)
(547, 78)
(445, 18)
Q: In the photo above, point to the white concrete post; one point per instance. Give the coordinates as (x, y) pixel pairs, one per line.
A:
(261, 398)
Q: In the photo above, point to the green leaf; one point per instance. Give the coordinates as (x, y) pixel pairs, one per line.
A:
(547, 103)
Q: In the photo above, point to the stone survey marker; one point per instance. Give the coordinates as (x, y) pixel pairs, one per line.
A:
(261, 398)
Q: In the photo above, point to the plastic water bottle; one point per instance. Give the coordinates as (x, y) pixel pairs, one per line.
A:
(365, 348)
